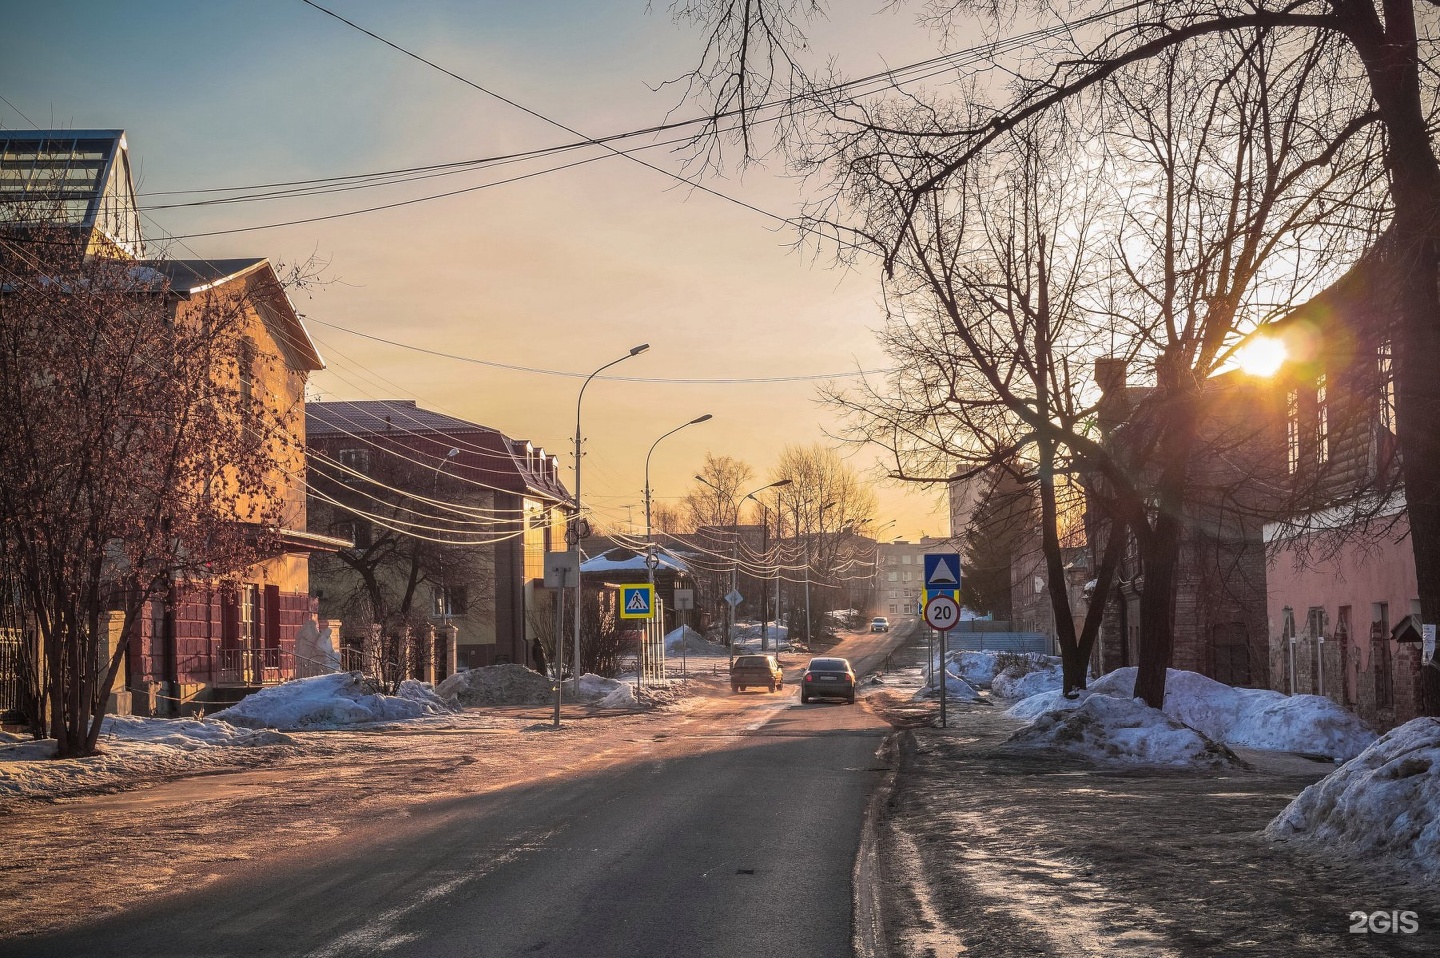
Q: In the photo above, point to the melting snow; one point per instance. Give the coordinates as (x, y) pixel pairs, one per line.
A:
(1109, 729)
(1383, 803)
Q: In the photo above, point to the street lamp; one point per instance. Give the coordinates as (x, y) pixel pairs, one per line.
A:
(649, 561)
(821, 521)
(735, 552)
(578, 521)
(764, 546)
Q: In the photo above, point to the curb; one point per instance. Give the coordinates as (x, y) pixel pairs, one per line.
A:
(868, 920)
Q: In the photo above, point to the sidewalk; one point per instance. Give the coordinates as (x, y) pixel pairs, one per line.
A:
(994, 854)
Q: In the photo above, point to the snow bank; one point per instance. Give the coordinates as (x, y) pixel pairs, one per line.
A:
(130, 748)
(1037, 705)
(1013, 683)
(1253, 718)
(956, 690)
(1108, 729)
(1383, 804)
(686, 639)
(981, 668)
(510, 684)
(514, 684)
(331, 701)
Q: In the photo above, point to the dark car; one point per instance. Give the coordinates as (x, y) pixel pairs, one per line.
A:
(828, 679)
(756, 671)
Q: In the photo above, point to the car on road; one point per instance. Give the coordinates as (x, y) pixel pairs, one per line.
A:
(756, 671)
(828, 678)
(879, 624)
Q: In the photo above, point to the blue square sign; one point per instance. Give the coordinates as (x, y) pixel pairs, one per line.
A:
(942, 571)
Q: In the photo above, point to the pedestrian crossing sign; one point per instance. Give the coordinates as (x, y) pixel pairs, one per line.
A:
(637, 601)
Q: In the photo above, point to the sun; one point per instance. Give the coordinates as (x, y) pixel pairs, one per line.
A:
(1262, 356)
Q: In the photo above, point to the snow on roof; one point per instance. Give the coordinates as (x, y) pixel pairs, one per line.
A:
(626, 560)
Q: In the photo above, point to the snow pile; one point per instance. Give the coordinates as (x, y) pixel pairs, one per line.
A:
(331, 701)
(1037, 705)
(510, 684)
(1252, 718)
(956, 690)
(1019, 683)
(598, 688)
(977, 668)
(1383, 804)
(686, 639)
(623, 696)
(1126, 731)
(130, 748)
(748, 633)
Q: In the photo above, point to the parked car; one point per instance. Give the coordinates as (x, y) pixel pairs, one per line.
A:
(879, 624)
(756, 671)
(828, 679)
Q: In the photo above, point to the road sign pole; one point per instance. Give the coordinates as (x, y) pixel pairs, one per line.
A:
(944, 674)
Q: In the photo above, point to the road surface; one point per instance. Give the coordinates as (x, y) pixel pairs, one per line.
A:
(729, 828)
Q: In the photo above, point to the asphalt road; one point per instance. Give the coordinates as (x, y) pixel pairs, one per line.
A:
(732, 831)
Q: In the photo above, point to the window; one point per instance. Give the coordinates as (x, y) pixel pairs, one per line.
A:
(906, 559)
(909, 576)
(894, 577)
(1380, 655)
(249, 614)
(1292, 431)
(357, 531)
(356, 459)
(1385, 372)
(894, 609)
(450, 600)
(1322, 422)
(246, 362)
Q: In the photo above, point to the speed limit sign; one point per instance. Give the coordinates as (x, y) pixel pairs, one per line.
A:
(941, 613)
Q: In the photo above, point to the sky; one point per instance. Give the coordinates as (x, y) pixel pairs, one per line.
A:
(565, 270)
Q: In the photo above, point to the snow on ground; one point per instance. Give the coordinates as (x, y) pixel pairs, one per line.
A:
(1383, 804)
(1017, 683)
(956, 690)
(981, 668)
(514, 684)
(1252, 718)
(130, 747)
(748, 634)
(332, 701)
(688, 641)
(1116, 730)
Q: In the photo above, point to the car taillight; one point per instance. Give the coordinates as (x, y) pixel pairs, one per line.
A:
(808, 677)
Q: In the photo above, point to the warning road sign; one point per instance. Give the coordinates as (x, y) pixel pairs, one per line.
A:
(942, 570)
(637, 601)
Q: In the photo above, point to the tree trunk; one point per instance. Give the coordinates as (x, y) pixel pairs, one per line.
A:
(1157, 609)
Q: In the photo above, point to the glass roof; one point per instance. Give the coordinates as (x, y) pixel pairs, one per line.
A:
(80, 178)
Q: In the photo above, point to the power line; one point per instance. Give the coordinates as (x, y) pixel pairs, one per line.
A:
(809, 377)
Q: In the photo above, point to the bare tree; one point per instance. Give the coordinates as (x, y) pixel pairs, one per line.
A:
(135, 456)
(1370, 69)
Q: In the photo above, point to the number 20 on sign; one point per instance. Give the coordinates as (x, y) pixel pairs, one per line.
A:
(941, 613)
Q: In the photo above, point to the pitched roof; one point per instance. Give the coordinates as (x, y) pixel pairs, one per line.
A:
(381, 415)
(77, 177)
(401, 418)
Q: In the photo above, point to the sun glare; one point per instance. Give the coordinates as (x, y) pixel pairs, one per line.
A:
(1261, 357)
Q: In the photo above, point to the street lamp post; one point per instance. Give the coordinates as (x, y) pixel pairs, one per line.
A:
(735, 552)
(651, 559)
(764, 532)
(821, 521)
(577, 520)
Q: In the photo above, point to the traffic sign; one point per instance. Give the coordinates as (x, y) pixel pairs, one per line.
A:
(929, 594)
(684, 599)
(734, 597)
(560, 570)
(637, 601)
(942, 570)
(941, 613)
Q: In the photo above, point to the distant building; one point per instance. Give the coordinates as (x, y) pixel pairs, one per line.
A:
(452, 518)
